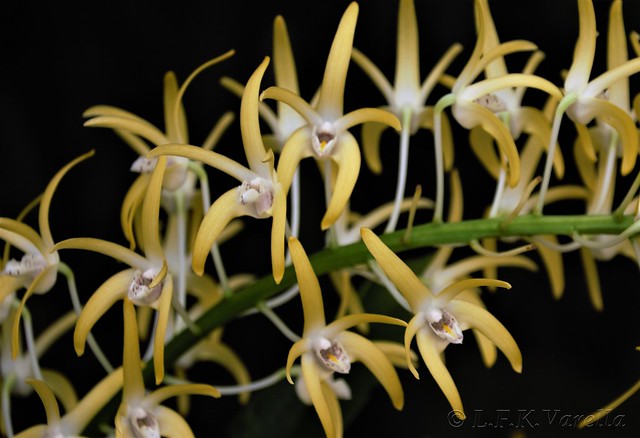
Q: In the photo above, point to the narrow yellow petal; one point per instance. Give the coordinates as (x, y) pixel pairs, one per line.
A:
(348, 321)
(593, 279)
(45, 202)
(451, 291)
(218, 130)
(590, 419)
(611, 77)
(164, 309)
(482, 146)
(411, 287)
(151, 213)
(250, 122)
(313, 383)
(371, 133)
(330, 102)
(52, 333)
(578, 74)
(430, 352)
(297, 350)
(107, 248)
(174, 129)
(48, 401)
(34, 432)
(112, 290)
(294, 101)
(407, 48)
(536, 124)
(93, 401)
(297, 147)
(364, 115)
(498, 52)
(138, 127)
(34, 286)
(130, 205)
(334, 408)
(437, 73)
(377, 77)
(617, 54)
(171, 424)
(488, 325)
(210, 158)
(470, 114)
(22, 236)
(310, 293)
(277, 232)
(62, 388)
(347, 157)
(511, 80)
(9, 285)
(133, 385)
(362, 349)
(224, 210)
(228, 359)
(160, 395)
(555, 266)
(417, 322)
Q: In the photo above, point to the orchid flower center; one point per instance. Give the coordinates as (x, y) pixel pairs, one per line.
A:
(332, 356)
(29, 264)
(323, 139)
(139, 291)
(144, 424)
(444, 325)
(259, 193)
(492, 102)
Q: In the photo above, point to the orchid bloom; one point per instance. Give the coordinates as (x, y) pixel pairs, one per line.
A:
(179, 179)
(140, 414)
(328, 349)
(261, 194)
(441, 318)
(77, 418)
(585, 100)
(406, 99)
(325, 135)
(476, 104)
(37, 270)
(146, 283)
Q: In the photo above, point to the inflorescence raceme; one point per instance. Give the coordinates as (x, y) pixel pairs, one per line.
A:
(172, 301)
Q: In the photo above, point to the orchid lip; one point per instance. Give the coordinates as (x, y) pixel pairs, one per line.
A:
(332, 356)
(139, 291)
(259, 193)
(144, 424)
(323, 139)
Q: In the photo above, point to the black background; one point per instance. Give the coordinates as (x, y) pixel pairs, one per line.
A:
(59, 59)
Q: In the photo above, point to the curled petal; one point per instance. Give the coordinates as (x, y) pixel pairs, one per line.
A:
(371, 133)
(314, 386)
(164, 309)
(160, 395)
(482, 146)
(136, 126)
(107, 248)
(297, 147)
(416, 323)
(374, 73)
(228, 359)
(470, 114)
(364, 115)
(346, 322)
(133, 389)
(250, 122)
(430, 352)
(488, 325)
(224, 210)
(277, 232)
(347, 157)
(112, 290)
(132, 201)
(593, 279)
(294, 101)
(553, 263)
(48, 400)
(596, 416)
(22, 236)
(578, 75)
(362, 349)
(451, 291)
(297, 350)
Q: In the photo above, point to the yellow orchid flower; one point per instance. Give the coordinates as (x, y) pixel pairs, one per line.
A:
(147, 283)
(141, 414)
(585, 100)
(77, 418)
(441, 318)
(325, 135)
(179, 179)
(476, 103)
(326, 349)
(261, 194)
(406, 99)
(37, 270)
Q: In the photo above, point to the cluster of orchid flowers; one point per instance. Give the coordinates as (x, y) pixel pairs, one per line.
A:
(166, 264)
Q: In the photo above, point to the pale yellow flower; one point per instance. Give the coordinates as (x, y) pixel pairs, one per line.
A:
(326, 349)
(261, 194)
(440, 319)
(141, 414)
(325, 135)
